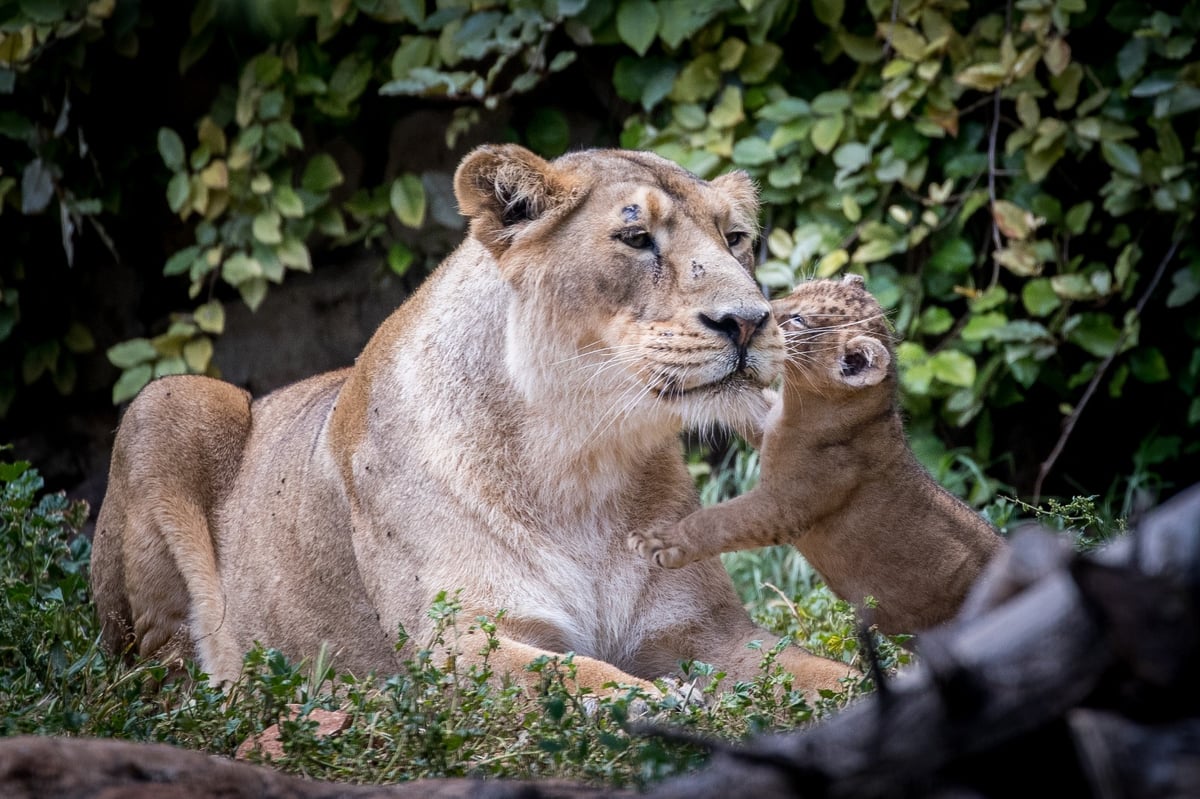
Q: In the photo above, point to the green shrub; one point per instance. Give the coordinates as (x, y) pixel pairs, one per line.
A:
(431, 719)
(1015, 180)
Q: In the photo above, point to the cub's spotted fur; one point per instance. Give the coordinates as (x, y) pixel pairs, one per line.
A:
(839, 481)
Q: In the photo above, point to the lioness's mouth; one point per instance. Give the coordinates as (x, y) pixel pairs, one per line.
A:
(736, 379)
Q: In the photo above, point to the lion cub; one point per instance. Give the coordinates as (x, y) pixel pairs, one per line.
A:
(839, 481)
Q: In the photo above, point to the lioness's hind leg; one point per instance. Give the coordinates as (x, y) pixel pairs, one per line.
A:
(177, 451)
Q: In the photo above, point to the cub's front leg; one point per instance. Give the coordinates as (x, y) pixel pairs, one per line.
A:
(744, 522)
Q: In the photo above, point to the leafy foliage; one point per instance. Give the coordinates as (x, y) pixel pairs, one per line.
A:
(433, 718)
(1016, 180)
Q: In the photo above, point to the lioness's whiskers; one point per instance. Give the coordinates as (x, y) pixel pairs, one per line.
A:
(629, 397)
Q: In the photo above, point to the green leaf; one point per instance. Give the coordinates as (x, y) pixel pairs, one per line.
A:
(1038, 296)
(983, 326)
(349, 79)
(548, 133)
(955, 256)
(210, 317)
(1023, 331)
(197, 354)
(413, 52)
(179, 189)
(698, 81)
(953, 368)
(1121, 157)
(239, 268)
(174, 365)
(984, 77)
(832, 262)
(852, 156)
(1149, 365)
(130, 353)
(752, 151)
(831, 102)
(288, 202)
(679, 19)
(131, 382)
(293, 254)
(1154, 85)
(407, 198)
(637, 24)
(16, 126)
(826, 132)
(321, 174)
(1094, 332)
(79, 339)
(828, 12)
(872, 251)
(1077, 217)
(400, 258)
(181, 261)
(1073, 286)
(253, 292)
(728, 111)
(266, 227)
(170, 147)
(39, 359)
(759, 61)
(1020, 258)
(644, 80)
(1185, 286)
(935, 321)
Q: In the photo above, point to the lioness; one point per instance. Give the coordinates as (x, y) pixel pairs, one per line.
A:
(839, 480)
(502, 433)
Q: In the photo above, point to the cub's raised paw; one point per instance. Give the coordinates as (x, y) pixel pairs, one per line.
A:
(651, 547)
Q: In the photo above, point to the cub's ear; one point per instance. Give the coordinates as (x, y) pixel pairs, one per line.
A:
(863, 361)
(502, 188)
(853, 279)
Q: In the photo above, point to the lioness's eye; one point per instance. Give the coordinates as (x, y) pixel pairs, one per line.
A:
(638, 239)
(736, 238)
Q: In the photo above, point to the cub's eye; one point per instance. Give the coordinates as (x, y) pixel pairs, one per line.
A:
(736, 238)
(798, 320)
(638, 239)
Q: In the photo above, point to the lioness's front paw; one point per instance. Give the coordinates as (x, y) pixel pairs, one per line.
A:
(651, 547)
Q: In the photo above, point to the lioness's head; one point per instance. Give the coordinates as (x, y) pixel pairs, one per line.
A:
(837, 335)
(632, 280)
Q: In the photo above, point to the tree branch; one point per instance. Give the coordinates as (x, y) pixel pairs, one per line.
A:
(1069, 427)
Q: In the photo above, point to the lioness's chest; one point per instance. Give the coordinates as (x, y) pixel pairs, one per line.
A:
(572, 599)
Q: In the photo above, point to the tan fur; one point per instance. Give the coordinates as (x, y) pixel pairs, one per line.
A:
(502, 433)
(839, 480)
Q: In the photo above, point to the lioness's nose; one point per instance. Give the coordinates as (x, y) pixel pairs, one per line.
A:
(739, 327)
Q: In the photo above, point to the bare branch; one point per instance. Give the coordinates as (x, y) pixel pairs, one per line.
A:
(1069, 427)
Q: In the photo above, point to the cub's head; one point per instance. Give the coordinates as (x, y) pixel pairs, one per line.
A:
(632, 282)
(837, 335)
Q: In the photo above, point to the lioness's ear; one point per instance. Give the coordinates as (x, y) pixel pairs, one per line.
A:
(501, 188)
(740, 188)
(863, 361)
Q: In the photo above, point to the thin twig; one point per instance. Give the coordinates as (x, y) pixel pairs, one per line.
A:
(1069, 427)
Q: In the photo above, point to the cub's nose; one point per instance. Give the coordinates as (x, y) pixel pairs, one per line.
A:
(738, 326)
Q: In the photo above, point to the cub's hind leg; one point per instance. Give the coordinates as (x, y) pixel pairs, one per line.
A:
(154, 575)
